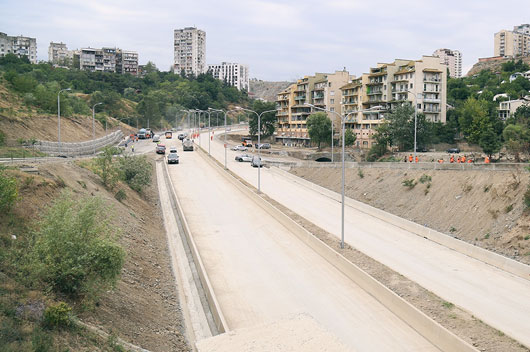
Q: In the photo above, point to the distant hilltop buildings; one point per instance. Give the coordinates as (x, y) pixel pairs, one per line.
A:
(19, 45)
(512, 43)
(233, 74)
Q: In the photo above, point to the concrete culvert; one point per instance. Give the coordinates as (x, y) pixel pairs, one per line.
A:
(323, 160)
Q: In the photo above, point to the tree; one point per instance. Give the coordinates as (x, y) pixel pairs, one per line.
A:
(106, 169)
(319, 128)
(267, 120)
(473, 119)
(382, 140)
(135, 171)
(75, 252)
(489, 141)
(349, 137)
(516, 138)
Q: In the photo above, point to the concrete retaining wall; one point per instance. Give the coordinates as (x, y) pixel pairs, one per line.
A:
(494, 259)
(402, 165)
(78, 149)
(428, 328)
(218, 317)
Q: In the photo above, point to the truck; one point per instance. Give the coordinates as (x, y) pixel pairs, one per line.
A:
(142, 133)
(187, 145)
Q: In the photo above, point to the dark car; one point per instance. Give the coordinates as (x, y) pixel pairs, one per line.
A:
(421, 149)
(172, 158)
(161, 149)
(453, 150)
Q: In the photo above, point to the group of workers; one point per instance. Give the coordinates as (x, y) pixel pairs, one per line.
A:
(458, 159)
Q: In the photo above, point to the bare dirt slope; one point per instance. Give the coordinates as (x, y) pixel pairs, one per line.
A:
(494, 65)
(480, 207)
(144, 308)
(266, 90)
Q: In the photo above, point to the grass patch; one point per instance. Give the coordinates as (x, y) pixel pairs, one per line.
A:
(508, 209)
(452, 229)
(20, 152)
(409, 183)
(425, 178)
(486, 236)
(360, 173)
(447, 305)
(527, 237)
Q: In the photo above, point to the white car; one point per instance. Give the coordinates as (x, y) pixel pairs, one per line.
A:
(240, 148)
(244, 157)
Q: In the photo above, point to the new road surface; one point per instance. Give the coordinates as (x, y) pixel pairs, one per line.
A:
(498, 298)
(262, 273)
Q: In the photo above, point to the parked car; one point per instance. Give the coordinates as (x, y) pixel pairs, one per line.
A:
(244, 157)
(161, 149)
(265, 146)
(173, 158)
(240, 148)
(156, 138)
(256, 161)
(453, 150)
(421, 149)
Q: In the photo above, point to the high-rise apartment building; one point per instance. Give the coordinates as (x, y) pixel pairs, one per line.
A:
(108, 60)
(453, 60)
(513, 43)
(234, 74)
(19, 45)
(367, 99)
(58, 54)
(321, 90)
(189, 51)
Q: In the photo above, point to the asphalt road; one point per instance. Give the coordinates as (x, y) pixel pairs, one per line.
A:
(262, 273)
(496, 297)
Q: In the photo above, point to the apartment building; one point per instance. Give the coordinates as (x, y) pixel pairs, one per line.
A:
(321, 90)
(234, 74)
(367, 99)
(108, 60)
(58, 54)
(19, 45)
(513, 43)
(189, 51)
(452, 59)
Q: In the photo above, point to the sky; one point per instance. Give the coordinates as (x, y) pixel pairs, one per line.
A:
(278, 40)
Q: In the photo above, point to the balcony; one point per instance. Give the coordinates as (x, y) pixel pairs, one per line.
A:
(374, 93)
(432, 100)
(432, 79)
(300, 97)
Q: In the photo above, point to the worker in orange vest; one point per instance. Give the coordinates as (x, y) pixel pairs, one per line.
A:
(440, 161)
(410, 158)
(469, 161)
(452, 160)
(463, 159)
(487, 160)
(417, 159)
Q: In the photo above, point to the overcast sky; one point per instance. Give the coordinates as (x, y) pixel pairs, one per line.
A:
(279, 40)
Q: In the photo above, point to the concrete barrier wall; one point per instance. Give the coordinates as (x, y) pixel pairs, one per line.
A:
(428, 328)
(494, 259)
(215, 308)
(404, 166)
(81, 148)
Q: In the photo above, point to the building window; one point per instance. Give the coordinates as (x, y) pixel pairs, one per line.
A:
(332, 93)
(411, 85)
(332, 101)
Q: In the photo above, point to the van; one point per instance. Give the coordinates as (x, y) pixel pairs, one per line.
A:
(156, 138)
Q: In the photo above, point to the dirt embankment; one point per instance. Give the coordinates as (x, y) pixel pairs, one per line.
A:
(144, 308)
(484, 208)
(266, 90)
(492, 65)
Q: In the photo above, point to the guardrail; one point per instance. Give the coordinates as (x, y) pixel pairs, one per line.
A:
(77, 149)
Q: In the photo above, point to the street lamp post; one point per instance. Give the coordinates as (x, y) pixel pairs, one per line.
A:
(59, 113)
(343, 123)
(259, 139)
(415, 119)
(224, 112)
(94, 125)
(209, 130)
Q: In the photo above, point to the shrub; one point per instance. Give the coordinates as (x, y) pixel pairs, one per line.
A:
(8, 192)
(410, 183)
(136, 171)
(527, 197)
(2, 138)
(509, 208)
(41, 341)
(106, 169)
(360, 173)
(121, 195)
(425, 178)
(74, 252)
(57, 316)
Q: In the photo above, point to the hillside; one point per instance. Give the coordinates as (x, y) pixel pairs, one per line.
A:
(493, 65)
(266, 90)
(485, 208)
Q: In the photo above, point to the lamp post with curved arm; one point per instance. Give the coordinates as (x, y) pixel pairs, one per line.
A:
(415, 119)
(259, 140)
(224, 112)
(59, 113)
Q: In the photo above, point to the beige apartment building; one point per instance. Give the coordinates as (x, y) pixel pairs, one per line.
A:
(513, 43)
(18, 45)
(108, 60)
(452, 59)
(58, 54)
(321, 90)
(189, 51)
(366, 100)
